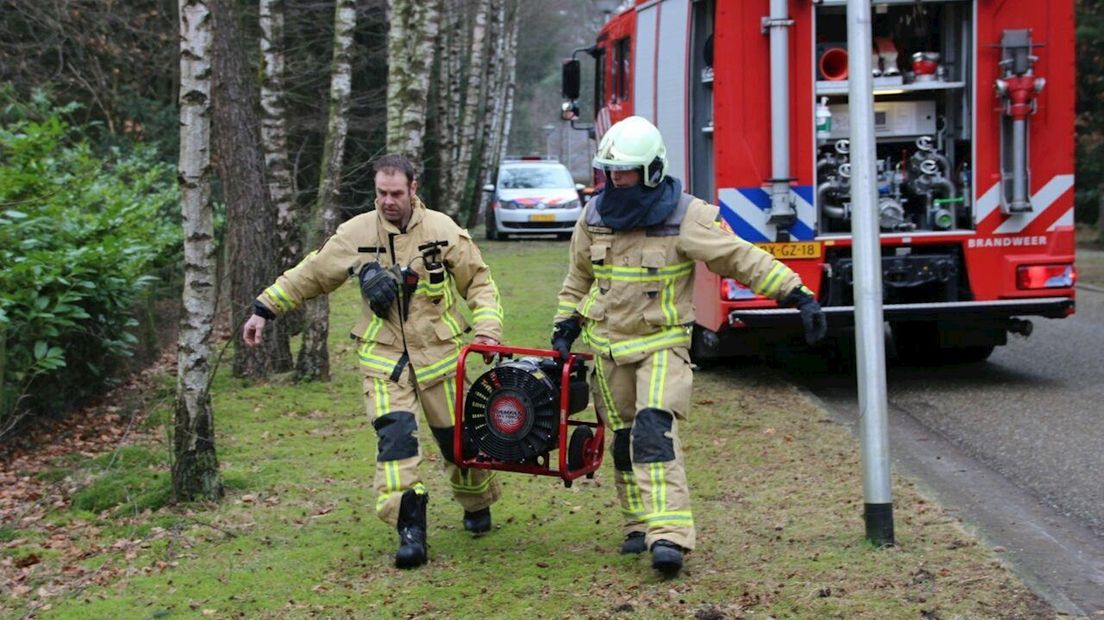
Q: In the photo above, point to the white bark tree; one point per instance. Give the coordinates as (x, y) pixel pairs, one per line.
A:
(410, 47)
(449, 61)
(274, 134)
(195, 473)
(314, 359)
(499, 104)
(472, 99)
(470, 105)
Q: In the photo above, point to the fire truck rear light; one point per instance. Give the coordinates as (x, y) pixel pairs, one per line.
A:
(1045, 276)
(731, 290)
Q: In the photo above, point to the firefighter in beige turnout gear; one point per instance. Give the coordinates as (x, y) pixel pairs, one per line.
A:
(628, 292)
(410, 337)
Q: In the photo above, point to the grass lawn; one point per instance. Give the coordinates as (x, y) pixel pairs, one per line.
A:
(775, 484)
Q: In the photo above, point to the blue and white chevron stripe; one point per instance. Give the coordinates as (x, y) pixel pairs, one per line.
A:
(746, 210)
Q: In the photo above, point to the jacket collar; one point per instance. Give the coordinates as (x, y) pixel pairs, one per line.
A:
(416, 215)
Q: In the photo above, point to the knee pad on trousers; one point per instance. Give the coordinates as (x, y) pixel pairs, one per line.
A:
(398, 436)
(622, 460)
(651, 441)
(444, 441)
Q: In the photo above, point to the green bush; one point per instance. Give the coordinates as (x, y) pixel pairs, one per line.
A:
(80, 234)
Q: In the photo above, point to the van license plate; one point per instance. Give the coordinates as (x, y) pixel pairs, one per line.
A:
(803, 249)
(542, 217)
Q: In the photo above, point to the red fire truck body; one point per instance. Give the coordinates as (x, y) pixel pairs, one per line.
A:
(974, 124)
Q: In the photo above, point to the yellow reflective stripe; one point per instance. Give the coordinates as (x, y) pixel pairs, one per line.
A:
(373, 361)
(450, 320)
(670, 337)
(659, 373)
(673, 517)
(438, 368)
(593, 340)
(373, 327)
(381, 396)
(430, 289)
(565, 307)
(367, 357)
(615, 421)
(643, 274)
(418, 488)
(769, 286)
(487, 314)
(632, 495)
(667, 303)
(450, 399)
(280, 298)
(475, 488)
(448, 296)
(655, 471)
(497, 297)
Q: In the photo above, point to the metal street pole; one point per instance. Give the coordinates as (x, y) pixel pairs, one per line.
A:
(869, 330)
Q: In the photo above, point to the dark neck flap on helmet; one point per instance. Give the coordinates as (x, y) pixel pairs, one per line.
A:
(626, 208)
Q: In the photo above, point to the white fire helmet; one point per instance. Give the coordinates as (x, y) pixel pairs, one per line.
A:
(630, 144)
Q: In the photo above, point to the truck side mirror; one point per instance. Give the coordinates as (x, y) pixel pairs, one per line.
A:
(571, 79)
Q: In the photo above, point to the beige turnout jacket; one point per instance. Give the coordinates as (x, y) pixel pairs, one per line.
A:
(430, 337)
(634, 289)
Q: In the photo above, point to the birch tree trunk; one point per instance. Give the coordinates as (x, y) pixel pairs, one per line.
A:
(314, 358)
(510, 85)
(469, 116)
(449, 57)
(410, 46)
(484, 152)
(249, 212)
(195, 471)
(274, 138)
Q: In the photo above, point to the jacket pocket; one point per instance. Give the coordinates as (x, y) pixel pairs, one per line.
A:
(655, 292)
(601, 265)
(372, 329)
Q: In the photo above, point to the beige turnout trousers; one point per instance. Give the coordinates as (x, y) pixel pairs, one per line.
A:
(473, 489)
(636, 400)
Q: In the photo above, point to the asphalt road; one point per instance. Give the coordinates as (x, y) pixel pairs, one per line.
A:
(1014, 446)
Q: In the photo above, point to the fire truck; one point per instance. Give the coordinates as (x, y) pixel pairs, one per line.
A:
(974, 130)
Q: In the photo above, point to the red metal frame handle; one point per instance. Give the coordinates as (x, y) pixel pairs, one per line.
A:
(461, 364)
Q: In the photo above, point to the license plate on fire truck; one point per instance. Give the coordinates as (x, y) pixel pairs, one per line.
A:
(798, 249)
(542, 217)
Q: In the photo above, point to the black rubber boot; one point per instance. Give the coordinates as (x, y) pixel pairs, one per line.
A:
(478, 522)
(667, 558)
(634, 544)
(412, 530)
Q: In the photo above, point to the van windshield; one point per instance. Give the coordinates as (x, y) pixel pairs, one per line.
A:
(535, 177)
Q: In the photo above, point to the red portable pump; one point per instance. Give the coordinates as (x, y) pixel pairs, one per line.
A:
(516, 413)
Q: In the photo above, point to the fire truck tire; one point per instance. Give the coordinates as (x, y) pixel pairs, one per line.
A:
(576, 448)
(917, 344)
(970, 355)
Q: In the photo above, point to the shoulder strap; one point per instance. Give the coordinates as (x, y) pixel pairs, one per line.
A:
(593, 218)
(670, 227)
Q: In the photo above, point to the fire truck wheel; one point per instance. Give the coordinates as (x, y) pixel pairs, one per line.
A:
(917, 344)
(576, 448)
(969, 355)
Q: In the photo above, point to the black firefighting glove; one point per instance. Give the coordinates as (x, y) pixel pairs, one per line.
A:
(379, 286)
(812, 317)
(563, 336)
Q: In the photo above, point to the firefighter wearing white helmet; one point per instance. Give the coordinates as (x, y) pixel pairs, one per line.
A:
(628, 292)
